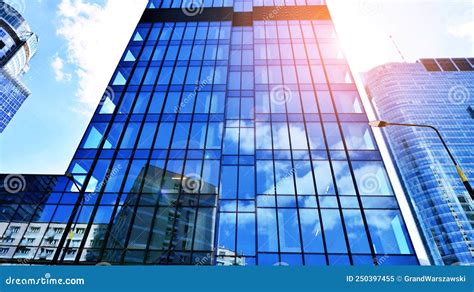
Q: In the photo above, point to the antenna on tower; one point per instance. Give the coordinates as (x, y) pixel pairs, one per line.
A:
(397, 48)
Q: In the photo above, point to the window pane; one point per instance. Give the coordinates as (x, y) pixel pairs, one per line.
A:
(214, 136)
(229, 182)
(338, 74)
(284, 178)
(311, 231)
(147, 135)
(324, 183)
(316, 137)
(288, 230)
(372, 179)
(94, 135)
(267, 230)
(265, 178)
(356, 231)
(348, 102)
(204, 237)
(246, 234)
(333, 232)
(345, 186)
(304, 178)
(333, 136)
(358, 136)
(280, 136)
(128, 140)
(298, 136)
(164, 136)
(388, 232)
(227, 225)
(246, 182)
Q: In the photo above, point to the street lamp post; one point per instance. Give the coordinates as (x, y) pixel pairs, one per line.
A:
(462, 176)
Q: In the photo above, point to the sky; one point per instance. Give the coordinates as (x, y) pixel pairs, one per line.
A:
(81, 42)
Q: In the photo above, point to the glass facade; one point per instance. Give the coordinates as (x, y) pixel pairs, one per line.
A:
(17, 46)
(12, 95)
(437, 92)
(226, 138)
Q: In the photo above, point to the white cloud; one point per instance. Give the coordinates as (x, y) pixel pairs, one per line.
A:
(58, 66)
(96, 36)
(463, 30)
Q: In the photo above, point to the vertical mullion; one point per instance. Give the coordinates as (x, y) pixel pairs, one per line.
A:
(349, 161)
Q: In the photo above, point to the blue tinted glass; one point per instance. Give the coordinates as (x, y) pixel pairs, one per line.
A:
(246, 182)
(147, 135)
(62, 214)
(388, 232)
(231, 141)
(339, 260)
(333, 232)
(268, 259)
(311, 230)
(291, 260)
(356, 231)
(284, 177)
(246, 234)
(288, 230)
(141, 103)
(164, 136)
(180, 138)
(227, 223)
(130, 136)
(397, 261)
(229, 182)
(267, 230)
(137, 76)
(324, 183)
(314, 260)
(135, 176)
(214, 136)
(265, 177)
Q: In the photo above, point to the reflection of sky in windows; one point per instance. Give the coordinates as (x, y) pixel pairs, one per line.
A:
(201, 103)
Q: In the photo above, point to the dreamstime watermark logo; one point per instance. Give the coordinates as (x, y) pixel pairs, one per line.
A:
(13, 7)
(458, 94)
(113, 173)
(280, 95)
(109, 94)
(370, 7)
(272, 14)
(47, 279)
(288, 175)
(192, 7)
(14, 183)
(191, 96)
(381, 260)
(192, 183)
(370, 183)
(205, 260)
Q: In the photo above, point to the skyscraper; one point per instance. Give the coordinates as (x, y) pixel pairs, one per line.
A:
(18, 44)
(230, 133)
(437, 92)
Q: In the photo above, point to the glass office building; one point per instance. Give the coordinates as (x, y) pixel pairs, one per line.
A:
(437, 92)
(18, 44)
(231, 133)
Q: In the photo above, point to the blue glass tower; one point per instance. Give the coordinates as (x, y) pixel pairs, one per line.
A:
(231, 133)
(437, 92)
(18, 44)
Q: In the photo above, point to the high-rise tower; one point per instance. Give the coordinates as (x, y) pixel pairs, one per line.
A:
(18, 44)
(440, 93)
(230, 133)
